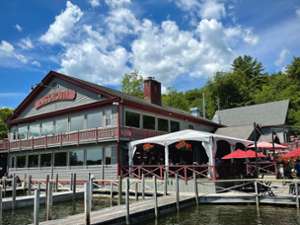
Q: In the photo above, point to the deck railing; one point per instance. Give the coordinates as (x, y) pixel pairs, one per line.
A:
(77, 137)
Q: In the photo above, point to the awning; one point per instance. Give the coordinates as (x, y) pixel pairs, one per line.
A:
(292, 154)
(241, 154)
(267, 145)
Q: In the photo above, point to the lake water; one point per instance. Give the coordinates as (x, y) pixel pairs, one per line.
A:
(25, 216)
(232, 215)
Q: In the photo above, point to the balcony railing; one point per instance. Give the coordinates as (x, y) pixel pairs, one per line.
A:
(77, 137)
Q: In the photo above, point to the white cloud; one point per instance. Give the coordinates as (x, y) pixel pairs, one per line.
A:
(8, 52)
(18, 28)
(212, 9)
(117, 3)
(25, 43)
(244, 34)
(63, 25)
(282, 57)
(6, 47)
(94, 3)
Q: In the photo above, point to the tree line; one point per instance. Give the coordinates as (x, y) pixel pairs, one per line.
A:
(246, 83)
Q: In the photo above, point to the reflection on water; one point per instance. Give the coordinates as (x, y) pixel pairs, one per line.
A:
(60, 210)
(232, 215)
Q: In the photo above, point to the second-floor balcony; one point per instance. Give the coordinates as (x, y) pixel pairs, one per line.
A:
(78, 137)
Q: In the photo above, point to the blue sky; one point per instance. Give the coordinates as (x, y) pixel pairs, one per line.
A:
(180, 42)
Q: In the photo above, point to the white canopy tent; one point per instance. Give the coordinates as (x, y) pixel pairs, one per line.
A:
(208, 140)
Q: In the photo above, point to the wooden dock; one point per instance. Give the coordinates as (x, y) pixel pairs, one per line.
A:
(139, 211)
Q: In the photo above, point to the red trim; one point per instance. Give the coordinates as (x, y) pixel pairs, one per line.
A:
(63, 111)
(168, 113)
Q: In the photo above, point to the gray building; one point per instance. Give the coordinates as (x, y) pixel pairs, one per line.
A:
(270, 116)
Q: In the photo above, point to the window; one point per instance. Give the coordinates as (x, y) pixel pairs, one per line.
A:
(14, 133)
(110, 155)
(60, 159)
(76, 158)
(21, 161)
(175, 126)
(34, 130)
(46, 160)
(77, 122)
(22, 132)
(162, 125)
(94, 157)
(47, 128)
(149, 122)
(132, 119)
(61, 125)
(33, 160)
(94, 119)
(108, 117)
(13, 162)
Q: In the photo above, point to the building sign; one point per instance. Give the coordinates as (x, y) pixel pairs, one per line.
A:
(66, 95)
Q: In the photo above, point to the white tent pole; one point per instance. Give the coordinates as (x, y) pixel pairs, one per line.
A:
(166, 156)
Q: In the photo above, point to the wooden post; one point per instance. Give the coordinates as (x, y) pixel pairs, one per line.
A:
(256, 194)
(165, 183)
(36, 207)
(111, 193)
(143, 186)
(74, 186)
(49, 203)
(46, 189)
(4, 186)
(87, 208)
(14, 187)
(71, 181)
(29, 185)
(127, 201)
(196, 188)
(155, 197)
(91, 193)
(120, 190)
(136, 191)
(0, 204)
(297, 194)
(56, 183)
(177, 192)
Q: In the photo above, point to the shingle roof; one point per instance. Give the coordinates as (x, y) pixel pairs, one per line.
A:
(267, 114)
(242, 132)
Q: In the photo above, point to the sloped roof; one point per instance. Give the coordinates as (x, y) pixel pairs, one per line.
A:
(267, 114)
(243, 132)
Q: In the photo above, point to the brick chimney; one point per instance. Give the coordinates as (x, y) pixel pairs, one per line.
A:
(152, 91)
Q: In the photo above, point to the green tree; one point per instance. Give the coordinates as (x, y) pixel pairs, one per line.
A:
(293, 70)
(132, 84)
(5, 113)
(175, 99)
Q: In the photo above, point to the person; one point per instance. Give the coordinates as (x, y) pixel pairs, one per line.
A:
(281, 171)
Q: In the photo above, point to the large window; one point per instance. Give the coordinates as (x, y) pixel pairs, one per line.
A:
(94, 157)
(132, 119)
(110, 155)
(76, 158)
(175, 126)
(33, 160)
(14, 133)
(22, 132)
(46, 160)
(61, 125)
(94, 119)
(13, 162)
(108, 117)
(34, 130)
(162, 125)
(148, 122)
(60, 159)
(21, 161)
(77, 122)
(47, 128)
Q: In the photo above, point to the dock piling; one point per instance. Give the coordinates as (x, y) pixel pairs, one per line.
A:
(56, 183)
(177, 192)
(14, 187)
(120, 190)
(46, 188)
(256, 194)
(143, 186)
(29, 185)
(71, 181)
(36, 207)
(165, 183)
(4, 186)
(136, 194)
(74, 186)
(127, 201)
(196, 188)
(49, 202)
(87, 208)
(91, 193)
(297, 194)
(155, 196)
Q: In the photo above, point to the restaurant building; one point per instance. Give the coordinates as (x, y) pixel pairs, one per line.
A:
(68, 125)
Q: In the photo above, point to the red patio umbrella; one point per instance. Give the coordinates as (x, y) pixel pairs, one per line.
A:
(292, 154)
(267, 145)
(241, 154)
